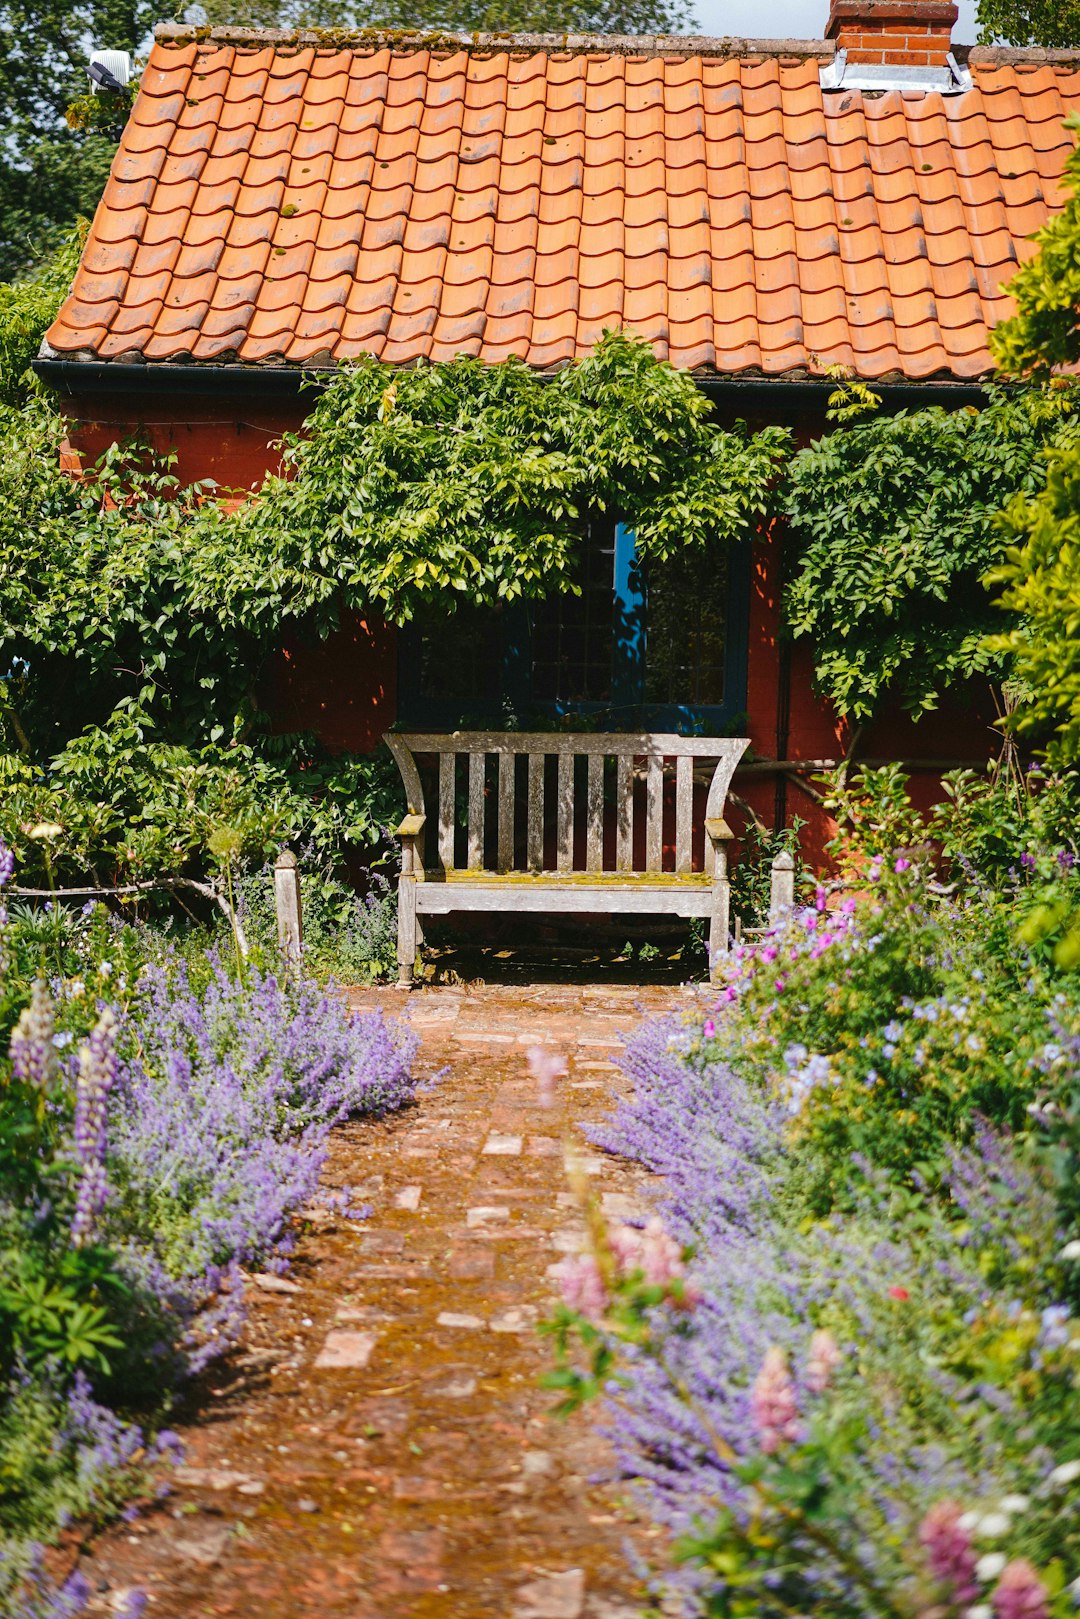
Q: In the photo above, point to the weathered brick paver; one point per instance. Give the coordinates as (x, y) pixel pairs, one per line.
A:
(380, 1446)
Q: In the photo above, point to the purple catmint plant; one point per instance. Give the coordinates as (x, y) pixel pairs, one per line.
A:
(26, 1591)
(34, 1057)
(219, 1124)
(740, 1373)
(94, 1080)
(7, 871)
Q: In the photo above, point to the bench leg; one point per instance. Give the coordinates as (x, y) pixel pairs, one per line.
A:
(718, 926)
(406, 931)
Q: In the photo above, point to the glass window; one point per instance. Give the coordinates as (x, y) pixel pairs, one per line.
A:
(686, 610)
(658, 644)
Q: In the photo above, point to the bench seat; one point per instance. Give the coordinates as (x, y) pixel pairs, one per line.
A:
(615, 839)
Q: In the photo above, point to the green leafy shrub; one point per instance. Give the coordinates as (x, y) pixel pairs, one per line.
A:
(894, 518)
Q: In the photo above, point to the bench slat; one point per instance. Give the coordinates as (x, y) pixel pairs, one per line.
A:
(624, 813)
(594, 804)
(447, 764)
(565, 849)
(654, 815)
(477, 761)
(684, 805)
(535, 841)
(507, 764)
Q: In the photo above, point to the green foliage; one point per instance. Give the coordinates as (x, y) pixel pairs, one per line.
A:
(347, 937)
(751, 875)
(911, 1011)
(474, 483)
(459, 16)
(1039, 574)
(1052, 23)
(137, 617)
(1039, 580)
(26, 309)
(50, 172)
(894, 519)
(1045, 331)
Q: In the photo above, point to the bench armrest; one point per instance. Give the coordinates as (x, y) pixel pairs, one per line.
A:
(718, 829)
(411, 826)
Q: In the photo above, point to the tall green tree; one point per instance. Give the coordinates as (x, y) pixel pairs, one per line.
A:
(54, 163)
(1053, 23)
(460, 16)
(51, 173)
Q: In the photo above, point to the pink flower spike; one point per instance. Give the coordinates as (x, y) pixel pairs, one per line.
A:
(773, 1404)
(546, 1066)
(819, 900)
(902, 865)
(825, 1357)
(708, 1028)
(583, 1287)
(949, 1551)
(1020, 1593)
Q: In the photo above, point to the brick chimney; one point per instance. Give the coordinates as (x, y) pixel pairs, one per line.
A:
(902, 33)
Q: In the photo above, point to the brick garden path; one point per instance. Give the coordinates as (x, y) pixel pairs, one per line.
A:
(380, 1446)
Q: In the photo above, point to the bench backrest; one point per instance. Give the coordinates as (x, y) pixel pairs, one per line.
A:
(518, 768)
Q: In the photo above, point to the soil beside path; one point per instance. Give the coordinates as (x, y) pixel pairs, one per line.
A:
(380, 1446)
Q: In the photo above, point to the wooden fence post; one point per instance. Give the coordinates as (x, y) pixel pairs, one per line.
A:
(290, 921)
(781, 887)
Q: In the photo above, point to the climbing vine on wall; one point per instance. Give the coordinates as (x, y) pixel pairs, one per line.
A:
(894, 518)
(137, 616)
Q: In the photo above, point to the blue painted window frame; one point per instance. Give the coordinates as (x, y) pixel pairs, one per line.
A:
(627, 709)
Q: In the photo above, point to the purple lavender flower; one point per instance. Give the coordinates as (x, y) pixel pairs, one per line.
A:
(96, 1077)
(26, 1592)
(33, 1050)
(7, 871)
(221, 1124)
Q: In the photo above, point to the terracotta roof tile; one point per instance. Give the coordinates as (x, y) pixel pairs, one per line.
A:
(313, 204)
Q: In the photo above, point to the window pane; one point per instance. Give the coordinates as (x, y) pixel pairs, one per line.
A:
(572, 635)
(460, 655)
(686, 620)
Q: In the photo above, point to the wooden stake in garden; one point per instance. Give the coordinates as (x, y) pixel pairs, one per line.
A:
(290, 922)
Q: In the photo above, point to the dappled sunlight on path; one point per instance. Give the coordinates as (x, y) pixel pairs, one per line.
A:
(380, 1446)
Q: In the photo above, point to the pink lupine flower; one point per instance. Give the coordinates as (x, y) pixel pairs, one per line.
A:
(583, 1287)
(949, 1551)
(658, 1257)
(825, 1357)
(1020, 1593)
(546, 1066)
(773, 1404)
(819, 900)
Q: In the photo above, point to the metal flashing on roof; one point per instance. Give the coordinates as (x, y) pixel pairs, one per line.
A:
(840, 74)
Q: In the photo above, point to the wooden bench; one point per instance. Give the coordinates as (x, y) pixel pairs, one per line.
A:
(578, 859)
